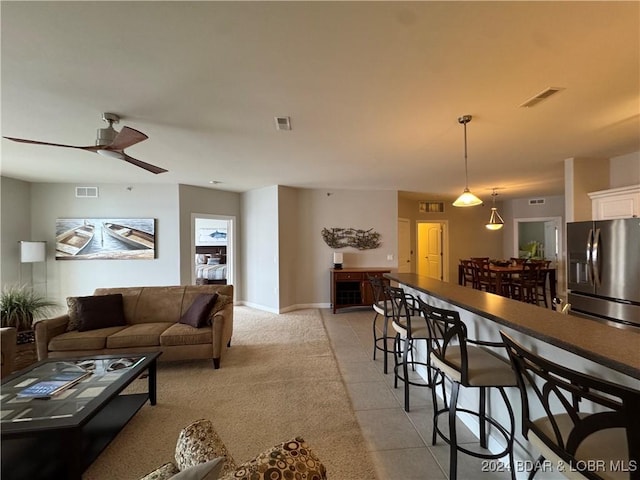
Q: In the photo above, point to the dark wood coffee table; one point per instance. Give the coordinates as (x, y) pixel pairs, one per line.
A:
(61, 436)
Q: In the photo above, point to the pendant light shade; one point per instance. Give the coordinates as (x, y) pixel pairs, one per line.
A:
(467, 199)
(495, 220)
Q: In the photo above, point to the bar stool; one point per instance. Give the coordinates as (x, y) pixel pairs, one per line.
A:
(382, 307)
(410, 328)
(596, 446)
(465, 362)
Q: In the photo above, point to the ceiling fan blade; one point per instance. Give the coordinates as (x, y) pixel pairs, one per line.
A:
(34, 142)
(126, 138)
(141, 164)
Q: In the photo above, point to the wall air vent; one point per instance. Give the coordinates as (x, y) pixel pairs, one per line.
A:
(430, 207)
(536, 201)
(283, 123)
(543, 95)
(87, 192)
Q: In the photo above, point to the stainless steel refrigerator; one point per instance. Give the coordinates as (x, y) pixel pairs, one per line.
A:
(604, 269)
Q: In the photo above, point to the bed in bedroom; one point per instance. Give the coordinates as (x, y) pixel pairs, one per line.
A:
(211, 265)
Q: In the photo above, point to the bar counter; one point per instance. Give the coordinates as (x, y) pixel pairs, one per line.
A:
(615, 348)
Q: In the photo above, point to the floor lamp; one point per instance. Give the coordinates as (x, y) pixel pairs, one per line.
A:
(34, 252)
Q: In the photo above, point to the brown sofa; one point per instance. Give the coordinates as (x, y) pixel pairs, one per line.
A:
(152, 317)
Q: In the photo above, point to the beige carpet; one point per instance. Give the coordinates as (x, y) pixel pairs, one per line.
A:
(278, 380)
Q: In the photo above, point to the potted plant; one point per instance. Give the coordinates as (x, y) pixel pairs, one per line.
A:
(20, 305)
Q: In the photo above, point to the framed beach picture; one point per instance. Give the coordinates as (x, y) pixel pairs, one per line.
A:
(105, 238)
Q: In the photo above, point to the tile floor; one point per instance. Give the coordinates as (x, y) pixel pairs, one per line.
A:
(399, 442)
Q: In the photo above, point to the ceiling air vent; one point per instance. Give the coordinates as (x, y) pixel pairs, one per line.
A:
(283, 123)
(87, 192)
(543, 95)
(431, 207)
(536, 201)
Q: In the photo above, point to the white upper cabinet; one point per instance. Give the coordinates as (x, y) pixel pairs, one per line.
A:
(623, 202)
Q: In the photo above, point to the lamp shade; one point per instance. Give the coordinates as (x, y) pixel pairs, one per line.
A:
(467, 199)
(495, 221)
(337, 258)
(31, 252)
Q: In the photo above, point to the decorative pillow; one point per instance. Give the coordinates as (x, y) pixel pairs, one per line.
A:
(293, 459)
(203, 471)
(199, 443)
(100, 311)
(198, 312)
(74, 321)
(221, 302)
(165, 472)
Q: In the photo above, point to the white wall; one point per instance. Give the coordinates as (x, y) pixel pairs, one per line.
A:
(82, 277)
(624, 170)
(342, 208)
(15, 211)
(259, 249)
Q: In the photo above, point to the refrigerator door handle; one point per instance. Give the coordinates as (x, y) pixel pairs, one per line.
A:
(595, 260)
(589, 257)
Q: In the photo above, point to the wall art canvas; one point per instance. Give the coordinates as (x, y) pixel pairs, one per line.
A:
(105, 238)
(212, 236)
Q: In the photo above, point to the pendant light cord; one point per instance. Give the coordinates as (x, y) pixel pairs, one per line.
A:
(466, 172)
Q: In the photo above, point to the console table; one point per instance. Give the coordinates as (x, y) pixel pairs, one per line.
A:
(350, 287)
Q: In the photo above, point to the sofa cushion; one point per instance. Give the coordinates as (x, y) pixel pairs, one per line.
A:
(139, 335)
(198, 443)
(181, 334)
(72, 307)
(198, 313)
(292, 459)
(90, 340)
(99, 311)
(159, 304)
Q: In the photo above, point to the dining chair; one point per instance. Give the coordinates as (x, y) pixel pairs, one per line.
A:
(484, 279)
(468, 277)
(588, 424)
(525, 286)
(542, 281)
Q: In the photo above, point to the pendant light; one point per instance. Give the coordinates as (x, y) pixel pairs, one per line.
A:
(495, 221)
(467, 199)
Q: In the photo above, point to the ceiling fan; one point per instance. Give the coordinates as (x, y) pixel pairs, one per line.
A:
(109, 143)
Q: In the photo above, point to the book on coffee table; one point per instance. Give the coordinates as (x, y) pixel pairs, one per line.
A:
(65, 375)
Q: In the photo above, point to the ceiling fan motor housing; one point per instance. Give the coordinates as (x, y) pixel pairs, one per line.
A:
(106, 135)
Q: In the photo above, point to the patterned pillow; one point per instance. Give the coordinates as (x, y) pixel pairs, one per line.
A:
(74, 320)
(288, 460)
(165, 472)
(199, 443)
(221, 302)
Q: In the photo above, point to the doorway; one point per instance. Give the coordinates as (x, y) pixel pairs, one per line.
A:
(212, 249)
(432, 247)
(541, 238)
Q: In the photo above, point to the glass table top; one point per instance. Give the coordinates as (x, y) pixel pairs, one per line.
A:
(26, 398)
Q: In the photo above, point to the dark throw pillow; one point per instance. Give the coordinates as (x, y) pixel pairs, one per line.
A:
(100, 311)
(198, 312)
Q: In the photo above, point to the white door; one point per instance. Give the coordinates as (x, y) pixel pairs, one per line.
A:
(404, 246)
(430, 250)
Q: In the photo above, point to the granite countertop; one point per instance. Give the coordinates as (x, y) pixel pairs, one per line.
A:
(615, 348)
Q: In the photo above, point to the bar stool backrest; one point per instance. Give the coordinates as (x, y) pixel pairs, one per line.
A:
(449, 335)
(403, 306)
(380, 296)
(557, 391)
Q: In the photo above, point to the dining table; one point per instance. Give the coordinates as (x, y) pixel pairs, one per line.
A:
(504, 273)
